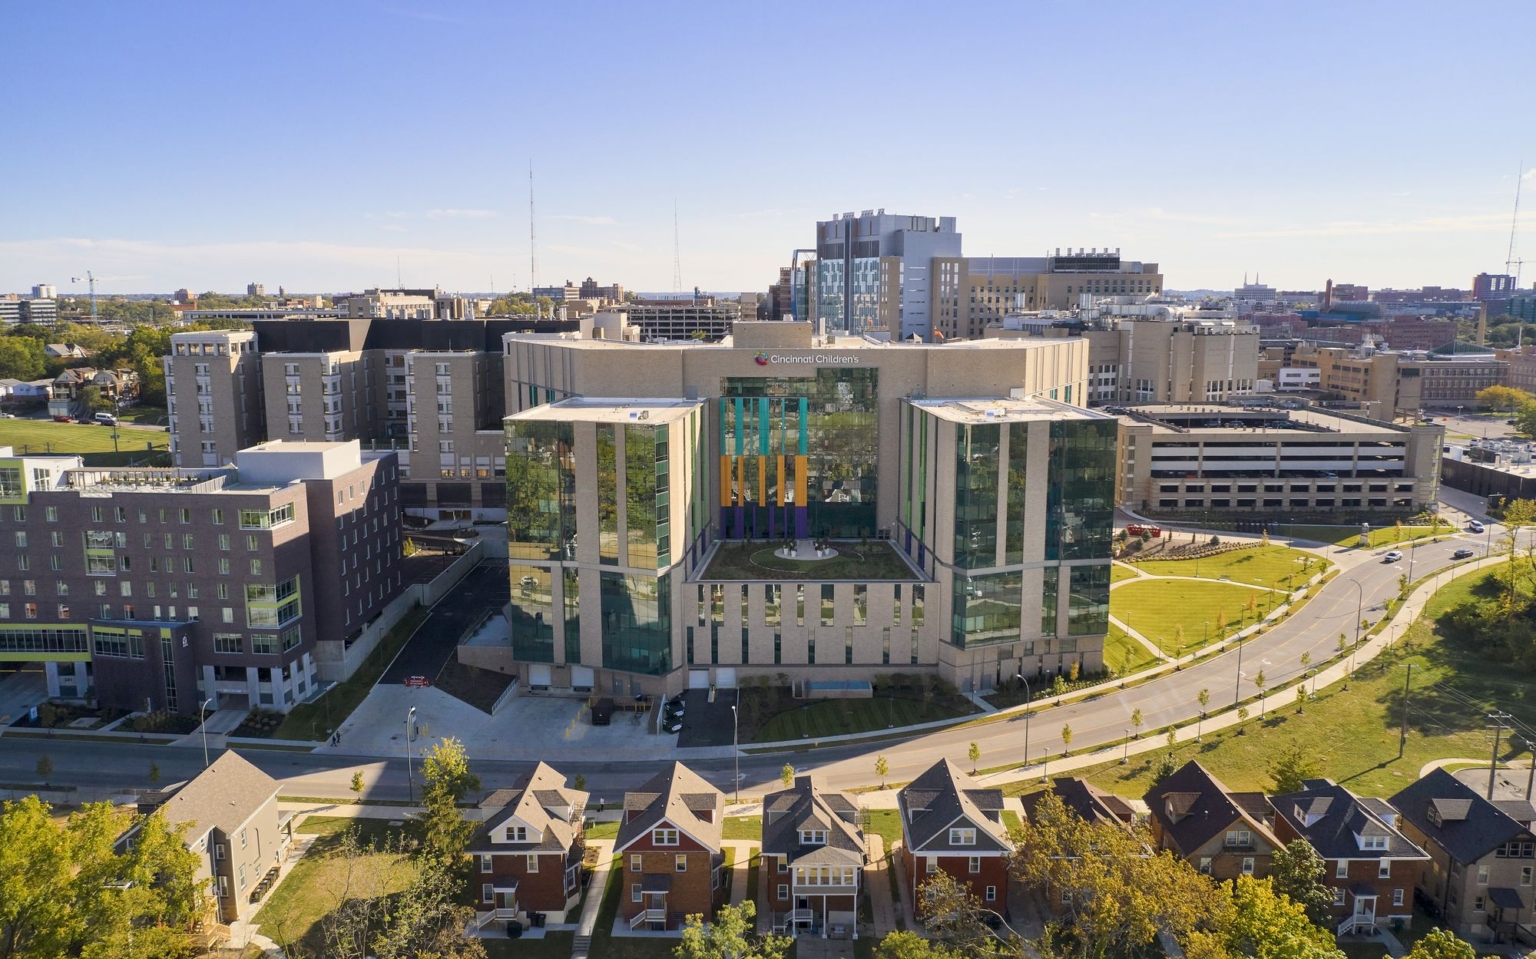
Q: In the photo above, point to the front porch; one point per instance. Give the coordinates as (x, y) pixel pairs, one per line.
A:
(826, 916)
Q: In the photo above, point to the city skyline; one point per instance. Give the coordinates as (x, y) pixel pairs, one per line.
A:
(1174, 135)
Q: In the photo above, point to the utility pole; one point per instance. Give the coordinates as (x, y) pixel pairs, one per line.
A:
(1402, 741)
(1499, 721)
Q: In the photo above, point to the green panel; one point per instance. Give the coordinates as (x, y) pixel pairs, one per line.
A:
(45, 657)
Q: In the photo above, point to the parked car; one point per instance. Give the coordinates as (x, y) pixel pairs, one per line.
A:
(1476, 527)
(1393, 556)
(672, 725)
(106, 419)
(1462, 553)
(63, 418)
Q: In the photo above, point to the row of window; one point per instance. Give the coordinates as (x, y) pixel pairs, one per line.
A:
(1324, 503)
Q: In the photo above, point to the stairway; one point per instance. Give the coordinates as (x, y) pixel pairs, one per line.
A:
(580, 946)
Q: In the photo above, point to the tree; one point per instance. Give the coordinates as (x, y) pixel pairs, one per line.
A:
(1502, 399)
(1266, 925)
(1525, 418)
(427, 921)
(882, 769)
(94, 400)
(909, 945)
(787, 775)
(441, 826)
(357, 782)
(36, 879)
(1291, 769)
(21, 358)
(1204, 698)
(1059, 686)
(1163, 767)
(1066, 739)
(974, 755)
(579, 783)
(147, 896)
(1301, 700)
(952, 912)
(730, 936)
(1136, 720)
(1298, 872)
(44, 767)
(1172, 736)
(1442, 944)
(154, 773)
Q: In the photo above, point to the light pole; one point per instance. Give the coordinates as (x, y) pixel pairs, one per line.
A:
(1237, 683)
(202, 715)
(1127, 756)
(1028, 699)
(410, 779)
(1359, 615)
(735, 753)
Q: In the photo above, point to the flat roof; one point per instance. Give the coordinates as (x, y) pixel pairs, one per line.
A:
(842, 343)
(1009, 410)
(610, 410)
(1234, 419)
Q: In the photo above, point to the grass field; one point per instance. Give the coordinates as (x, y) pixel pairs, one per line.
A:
(317, 881)
(1453, 689)
(1156, 608)
(864, 562)
(836, 717)
(885, 823)
(1119, 573)
(1123, 654)
(31, 437)
(1260, 565)
(742, 827)
(1350, 535)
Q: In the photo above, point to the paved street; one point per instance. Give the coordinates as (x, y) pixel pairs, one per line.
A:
(485, 588)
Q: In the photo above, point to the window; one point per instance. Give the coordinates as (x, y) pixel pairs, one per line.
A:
(783, 891)
(1482, 875)
(962, 837)
(1373, 842)
(974, 864)
(933, 865)
(991, 894)
(487, 892)
(1247, 865)
(680, 863)
(1384, 870)
(1479, 904)
(664, 837)
(517, 834)
(485, 862)
(218, 517)
(1239, 837)
(634, 893)
(1338, 896)
(242, 839)
(228, 642)
(813, 837)
(1341, 870)
(1525, 875)
(1397, 897)
(533, 863)
(634, 862)
(783, 864)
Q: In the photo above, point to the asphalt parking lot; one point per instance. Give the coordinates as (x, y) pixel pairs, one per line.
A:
(706, 723)
(485, 588)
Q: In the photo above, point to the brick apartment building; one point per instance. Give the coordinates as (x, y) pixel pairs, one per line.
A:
(163, 588)
(1221, 832)
(950, 824)
(669, 844)
(527, 851)
(813, 859)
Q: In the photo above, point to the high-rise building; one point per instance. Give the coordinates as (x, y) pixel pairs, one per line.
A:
(874, 271)
(381, 304)
(975, 493)
(167, 587)
(590, 290)
(568, 291)
(974, 293)
(698, 318)
(255, 289)
(45, 291)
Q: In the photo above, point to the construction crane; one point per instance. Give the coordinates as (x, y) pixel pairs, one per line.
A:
(1510, 259)
(92, 279)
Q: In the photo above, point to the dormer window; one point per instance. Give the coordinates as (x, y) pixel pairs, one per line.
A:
(1434, 815)
(664, 837)
(517, 834)
(813, 837)
(962, 837)
(1373, 842)
(1239, 837)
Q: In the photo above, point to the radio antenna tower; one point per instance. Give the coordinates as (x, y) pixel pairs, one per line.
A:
(533, 245)
(1514, 229)
(677, 260)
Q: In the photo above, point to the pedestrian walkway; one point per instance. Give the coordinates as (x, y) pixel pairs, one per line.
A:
(1151, 647)
(897, 862)
(877, 880)
(744, 851)
(594, 902)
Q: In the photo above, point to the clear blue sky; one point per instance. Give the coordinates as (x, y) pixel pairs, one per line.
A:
(310, 144)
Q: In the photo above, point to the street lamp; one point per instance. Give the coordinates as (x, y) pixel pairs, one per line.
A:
(735, 753)
(202, 715)
(1127, 757)
(410, 780)
(1028, 699)
(1237, 684)
(1359, 615)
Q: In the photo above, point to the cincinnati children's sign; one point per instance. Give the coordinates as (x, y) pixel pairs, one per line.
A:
(815, 359)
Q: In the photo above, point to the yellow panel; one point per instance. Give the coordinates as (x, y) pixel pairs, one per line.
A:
(725, 480)
(800, 472)
(778, 484)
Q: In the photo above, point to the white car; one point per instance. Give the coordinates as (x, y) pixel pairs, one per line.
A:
(1393, 556)
(1475, 526)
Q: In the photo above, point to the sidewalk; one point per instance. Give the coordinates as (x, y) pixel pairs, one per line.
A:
(594, 901)
(877, 881)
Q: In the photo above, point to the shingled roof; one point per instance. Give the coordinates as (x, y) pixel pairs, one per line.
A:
(1193, 807)
(942, 797)
(224, 797)
(1455, 816)
(808, 806)
(678, 796)
(1330, 818)
(1085, 799)
(539, 801)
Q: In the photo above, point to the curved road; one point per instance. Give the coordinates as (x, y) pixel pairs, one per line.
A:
(1169, 699)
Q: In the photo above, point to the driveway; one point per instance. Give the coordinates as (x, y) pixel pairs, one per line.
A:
(486, 588)
(20, 689)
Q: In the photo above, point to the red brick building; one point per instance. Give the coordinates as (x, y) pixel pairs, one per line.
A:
(527, 853)
(1222, 833)
(670, 849)
(813, 860)
(950, 824)
(1372, 867)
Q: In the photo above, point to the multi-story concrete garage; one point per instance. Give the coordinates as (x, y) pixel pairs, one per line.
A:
(651, 504)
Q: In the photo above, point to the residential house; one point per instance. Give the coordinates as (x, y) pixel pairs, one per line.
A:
(950, 824)
(1223, 833)
(527, 850)
(67, 351)
(1481, 855)
(233, 826)
(1085, 799)
(813, 859)
(669, 844)
(1372, 867)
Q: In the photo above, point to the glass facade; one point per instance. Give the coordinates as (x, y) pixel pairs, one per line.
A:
(532, 614)
(607, 496)
(848, 294)
(976, 461)
(799, 454)
(1050, 592)
(541, 491)
(571, 583)
(1088, 600)
(642, 506)
(987, 608)
(1079, 503)
(1013, 529)
(637, 622)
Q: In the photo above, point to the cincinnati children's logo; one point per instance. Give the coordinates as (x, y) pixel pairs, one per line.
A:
(762, 359)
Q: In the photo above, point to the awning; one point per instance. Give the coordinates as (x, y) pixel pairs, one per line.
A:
(656, 882)
(1363, 890)
(1505, 898)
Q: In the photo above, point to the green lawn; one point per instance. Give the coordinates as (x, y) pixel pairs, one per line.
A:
(1350, 535)
(554, 945)
(1124, 654)
(1442, 724)
(604, 830)
(835, 717)
(31, 437)
(318, 882)
(1011, 820)
(864, 562)
(1120, 572)
(885, 823)
(743, 827)
(603, 943)
(312, 720)
(1155, 608)
(1259, 565)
